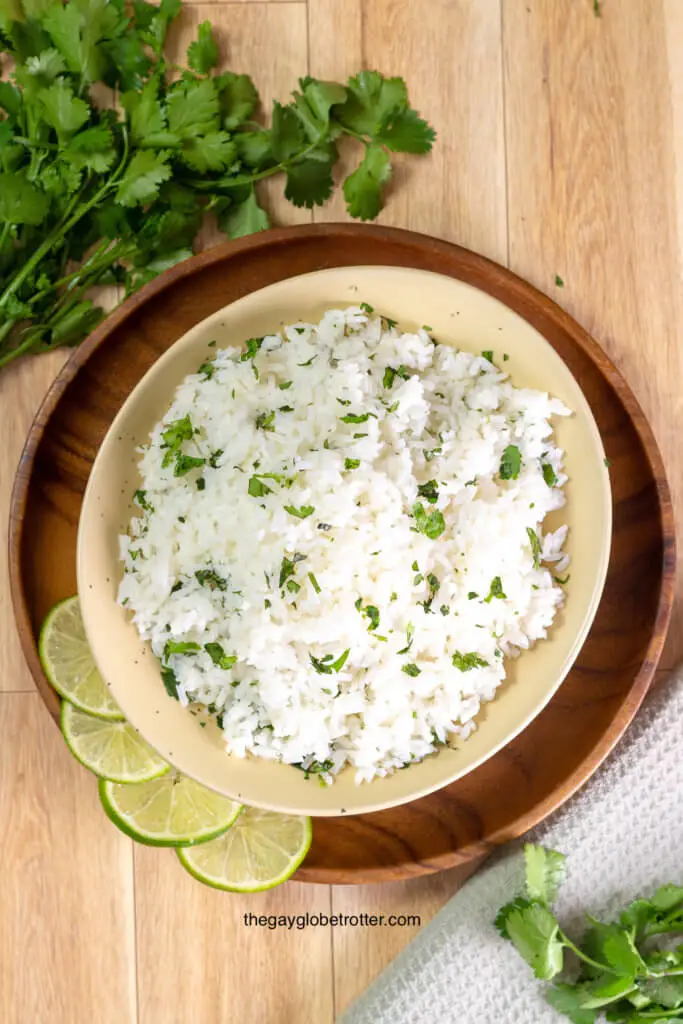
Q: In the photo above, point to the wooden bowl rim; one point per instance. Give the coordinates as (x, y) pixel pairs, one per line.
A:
(478, 265)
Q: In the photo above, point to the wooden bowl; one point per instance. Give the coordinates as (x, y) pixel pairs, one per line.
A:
(561, 748)
(458, 314)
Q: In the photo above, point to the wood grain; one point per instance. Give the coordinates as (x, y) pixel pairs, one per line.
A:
(67, 943)
(231, 970)
(610, 86)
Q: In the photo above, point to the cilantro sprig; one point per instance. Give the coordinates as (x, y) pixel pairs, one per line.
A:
(628, 968)
(92, 196)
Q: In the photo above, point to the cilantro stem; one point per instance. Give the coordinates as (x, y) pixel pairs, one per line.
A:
(582, 956)
(248, 179)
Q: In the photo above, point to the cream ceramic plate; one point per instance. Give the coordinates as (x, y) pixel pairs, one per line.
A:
(459, 314)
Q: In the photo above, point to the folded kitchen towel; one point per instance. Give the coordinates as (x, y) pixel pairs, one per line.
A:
(623, 837)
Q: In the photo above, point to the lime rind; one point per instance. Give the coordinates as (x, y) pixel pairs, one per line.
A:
(70, 667)
(170, 811)
(261, 851)
(111, 750)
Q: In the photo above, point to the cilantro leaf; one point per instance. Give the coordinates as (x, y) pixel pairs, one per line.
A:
(429, 491)
(534, 931)
(179, 647)
(238, 99)
(211, 579)
(465, 662)
(244, 218)
(353, 417)
(185, 463)
(406, 132)
(20, 201)
(300, 513)
(92, 149)
(511, 463)
(363, 188)
(322, 96)
(309, 182)
(372, 100)
(496, 590)
(411, 669)
(202, 55)
(431, 525)
(545, 870)
(568, 1001)
(286, 134)
(145, 173)
(219, 657)
(170, 681)
(62, 110)
(614, 946)
(257, 488)
(214, 151)
(146, 116)
(193, 108)
(535, 546)
(326, 666)
(549, 474)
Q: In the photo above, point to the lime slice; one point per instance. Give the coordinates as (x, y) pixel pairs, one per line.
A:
(171, 811)
(260, 851)
(69, 665)
(113, 750)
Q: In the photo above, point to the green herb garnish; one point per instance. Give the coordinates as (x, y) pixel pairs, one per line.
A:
(355, 417)
(434, 587)
(288, 567)
(488, 354)
(211, 579)
(214, 457)
(351, 463)
(429, 491)
(558, 280)
(431, 453)
(511, 463)
(472, 594)
(179, 647)
(141, 498)
(629, 968)
(496, 590)
(431, 525)
(314, 767)
(410, 632)
(465, 662)
(265, 421)
(314, 583)
(300, 513)
(391, 373)
(201, 483)
(535, 546)
(367, 308)
(286, 384)
(170, 681)
(219, 657)
(411, 669)
(185, 463)
(326, 665)
(257, 489)
(549, 474)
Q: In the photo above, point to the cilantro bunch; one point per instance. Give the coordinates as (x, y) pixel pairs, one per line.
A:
(94, 194)
(630, 969)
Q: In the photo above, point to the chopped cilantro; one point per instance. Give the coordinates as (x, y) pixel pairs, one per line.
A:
(372, 612)
(211, 579)
(488, 354)
(607, 463)
(286, 384)
(549, 474)
(351, 463)
(170, 681)
(558, 281)
(292, 586)
(201, 483)
(308, 361)
(410, 632)
(257, 488)
(535, 546)
(176, 586)
(561, 581)
(141, 498)
(344, 401)
(314, 583)
(219, 657)
(511, 463)
(314, 767)
(366, 307)
(411, 669)
(325, 527)
(288, 567)
(391, 373)
(465, 662)
(357, 436)
(415, 567)
(434, 587)
(179, 647)
(431, 525)
(185, 463)
(177, 432)
(496, 590)
(286, 408)
(352, 417)
(394, 596)
(300, 513)
(207, 369)
(326, 666)
(252, 347)
(389, 323)
(358, 603)
(432, 453)
(472, 594)
(429, 491)
(444, 609)
(265, 420)
(214, 457)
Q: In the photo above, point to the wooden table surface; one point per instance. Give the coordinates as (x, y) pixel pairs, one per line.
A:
(560, 152)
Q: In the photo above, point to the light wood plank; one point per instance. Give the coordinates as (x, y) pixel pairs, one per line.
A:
(448, 52)
(267, 42)
(592, 193)
(22, 387)
(214, 966)
(198, 961)
(450, 55)
(67, 938)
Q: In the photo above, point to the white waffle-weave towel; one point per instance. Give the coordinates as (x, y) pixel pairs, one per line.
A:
(623, 837)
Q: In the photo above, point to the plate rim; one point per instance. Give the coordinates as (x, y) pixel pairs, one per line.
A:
(499, 275)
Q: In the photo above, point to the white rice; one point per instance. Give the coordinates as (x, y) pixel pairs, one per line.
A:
(448, 417)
